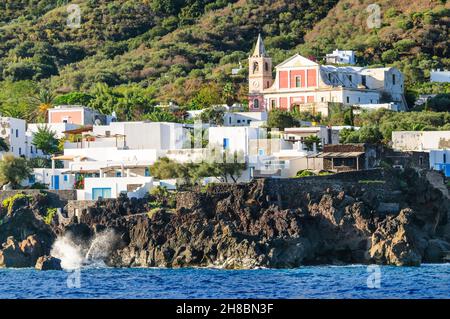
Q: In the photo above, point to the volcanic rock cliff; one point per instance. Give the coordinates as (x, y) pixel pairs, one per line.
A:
(385, 217)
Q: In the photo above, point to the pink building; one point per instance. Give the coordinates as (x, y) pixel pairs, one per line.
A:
(75, 114)
(303, 83)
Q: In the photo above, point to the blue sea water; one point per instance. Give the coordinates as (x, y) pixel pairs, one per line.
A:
(427, 281)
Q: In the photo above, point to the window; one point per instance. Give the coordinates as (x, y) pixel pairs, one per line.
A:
(239, 121)
(298, 81)
(350, 78)
(393, 79)
(421, 160)
(255, 67)
(101, 192)
(329, 77)
(359, 99)
(322, 99)
(363, 80)
(226, 143)
(444, 158)
(118, 174)
(20, 151)
(17, 133)
(273, 103)
(348, 99)
(65, 178)
(31, 149)
(266, 66)
(249, 121)
(147, 171)
(229, 120)
(261, 152)
(32, 179)
(268, 84)
(256, 103)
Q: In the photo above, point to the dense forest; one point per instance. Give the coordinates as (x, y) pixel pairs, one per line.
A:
(129, 55)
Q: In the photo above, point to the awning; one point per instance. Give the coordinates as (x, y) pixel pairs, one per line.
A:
(87, 128)
(68, 158)
(340, 154)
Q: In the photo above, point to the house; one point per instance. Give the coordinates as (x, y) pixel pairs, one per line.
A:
(420, 140)
(326, 135)
(108, 160)
(348, 157)
(403, 159)
(304, 84)
(77, 114)
(245, 118)
(341, 57)
(440, 76)
(13, 131)
(440, 161)
(58, 128)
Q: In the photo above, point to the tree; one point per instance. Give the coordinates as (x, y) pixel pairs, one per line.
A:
(280, 119)
(4, 147)
(74, 98)
(14, 170)
(309, 142)
(45, 140)
(213, 116)
(439, 103)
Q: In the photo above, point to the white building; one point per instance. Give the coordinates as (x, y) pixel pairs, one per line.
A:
(327, 135)
(341, 57)
(420, 140)
(440, 76)
(245, 118)
(13, 131)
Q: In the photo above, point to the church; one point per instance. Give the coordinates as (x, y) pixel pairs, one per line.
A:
(308, 86)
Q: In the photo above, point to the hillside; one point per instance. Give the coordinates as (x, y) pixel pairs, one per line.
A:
(150, 51)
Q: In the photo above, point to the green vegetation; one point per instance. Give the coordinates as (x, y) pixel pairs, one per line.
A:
(13, 170)
(4, 147)
(45, 140)
(367, 181)
(51, 213)
(223, 166)
(280, 119)
(304, 173)
(8, 202)
(161, 197)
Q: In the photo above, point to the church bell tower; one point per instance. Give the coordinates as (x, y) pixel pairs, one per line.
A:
(260, 76)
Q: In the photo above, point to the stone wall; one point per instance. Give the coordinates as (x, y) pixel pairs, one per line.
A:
(58, 198)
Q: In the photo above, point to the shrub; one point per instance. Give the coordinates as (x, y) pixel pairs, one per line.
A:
(51, 212)
(8, 203)
(304, 173)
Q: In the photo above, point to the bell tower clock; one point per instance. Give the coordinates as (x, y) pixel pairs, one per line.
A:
(260, 76)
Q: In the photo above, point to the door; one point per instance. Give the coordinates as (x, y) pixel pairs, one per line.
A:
(55, 182)
(101, 192)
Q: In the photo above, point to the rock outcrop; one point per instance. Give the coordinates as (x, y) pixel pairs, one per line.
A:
(48, 263)
(358, 217)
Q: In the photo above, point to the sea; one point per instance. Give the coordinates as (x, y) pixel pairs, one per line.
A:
(429, 281)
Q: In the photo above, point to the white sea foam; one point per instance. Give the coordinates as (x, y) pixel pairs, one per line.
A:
(73, 256)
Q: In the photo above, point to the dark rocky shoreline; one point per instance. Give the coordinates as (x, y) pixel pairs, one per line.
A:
(377, 216)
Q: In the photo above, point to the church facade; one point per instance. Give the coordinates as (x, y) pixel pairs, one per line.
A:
(302, 83)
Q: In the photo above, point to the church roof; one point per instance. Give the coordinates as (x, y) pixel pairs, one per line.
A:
(260, 50)
(296, 60)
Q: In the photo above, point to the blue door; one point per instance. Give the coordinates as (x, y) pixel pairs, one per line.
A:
(101, 192)
(55, 182)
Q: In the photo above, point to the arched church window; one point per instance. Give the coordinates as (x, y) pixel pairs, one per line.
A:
(255, 67)
(266, 66)
(256, 103)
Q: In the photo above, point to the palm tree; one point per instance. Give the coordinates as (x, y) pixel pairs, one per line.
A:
(310, 140)
(44, 101)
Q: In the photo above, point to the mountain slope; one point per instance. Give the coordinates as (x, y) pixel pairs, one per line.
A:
(174, 48)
